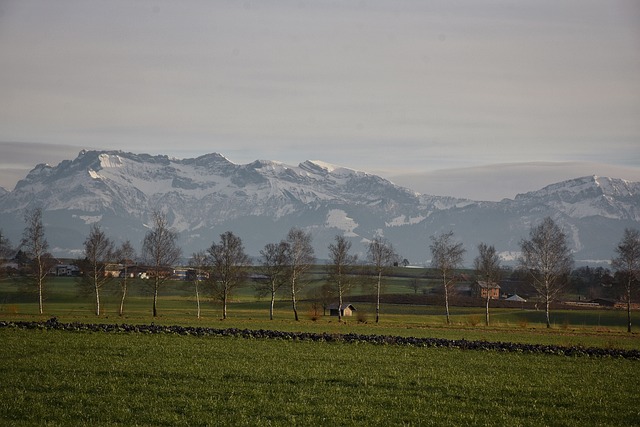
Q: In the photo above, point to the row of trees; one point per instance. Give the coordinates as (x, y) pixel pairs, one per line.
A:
(546, 259)
(221, 268)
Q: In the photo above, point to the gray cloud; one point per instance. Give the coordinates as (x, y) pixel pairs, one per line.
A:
(18, 158)
(403, 85)
(495, 182)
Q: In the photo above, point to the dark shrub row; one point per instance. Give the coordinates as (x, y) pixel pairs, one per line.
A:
(326, 337)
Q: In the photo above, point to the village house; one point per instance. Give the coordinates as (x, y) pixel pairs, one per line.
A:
(482, 289)
(112, 270)
(66, 270)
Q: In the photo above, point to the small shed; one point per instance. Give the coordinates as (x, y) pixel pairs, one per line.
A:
(516, 297)
(602, 302)
(345, 309)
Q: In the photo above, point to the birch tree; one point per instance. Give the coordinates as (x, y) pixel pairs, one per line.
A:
(229, 264)
(35, 246)
(161, 252)
(274, 262)
(125, 254)
(447, 256)
(340, 269)
(98, 252)
(382, 256)
(627, 264)
(487, 265)
(301, 257)
(547, 259)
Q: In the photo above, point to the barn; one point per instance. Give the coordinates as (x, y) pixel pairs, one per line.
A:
(345, 309)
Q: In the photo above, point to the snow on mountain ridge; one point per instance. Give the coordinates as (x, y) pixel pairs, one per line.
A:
(589, 196)
(134, 183)
(110, 160)
(263, 199)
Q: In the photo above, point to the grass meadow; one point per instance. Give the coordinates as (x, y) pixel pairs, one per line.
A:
(65, 378)
(79, 378)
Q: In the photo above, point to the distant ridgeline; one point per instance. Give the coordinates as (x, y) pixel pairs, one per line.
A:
(260, 201)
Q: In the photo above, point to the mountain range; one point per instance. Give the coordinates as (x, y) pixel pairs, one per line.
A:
(260, 201)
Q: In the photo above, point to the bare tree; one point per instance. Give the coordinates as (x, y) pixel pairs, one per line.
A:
(35, 246)
(6, 250)
(161, 252)
(5, 246)
(198, 263)
(487, 265)
(274, 262)
(627, 264)
(228, 267)
(548, 260)
(340, 269)
(447, 256)
(301, 257)
(125, 254)
(98, 252)
(382, 256)
(415, 285)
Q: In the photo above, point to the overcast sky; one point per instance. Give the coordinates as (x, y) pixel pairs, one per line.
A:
(463, 98)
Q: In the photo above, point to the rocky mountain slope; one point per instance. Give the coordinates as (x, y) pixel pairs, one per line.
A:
(261, 201)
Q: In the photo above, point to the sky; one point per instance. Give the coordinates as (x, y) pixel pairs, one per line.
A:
(476, 99)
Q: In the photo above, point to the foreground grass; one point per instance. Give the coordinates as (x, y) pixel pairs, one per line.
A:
(63, 378)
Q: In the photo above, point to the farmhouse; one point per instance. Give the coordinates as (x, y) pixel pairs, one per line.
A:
(346, 309)
(112, 270)
(66, 270)
(482, 289)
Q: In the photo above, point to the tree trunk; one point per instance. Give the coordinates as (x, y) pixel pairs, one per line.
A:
(224, 303)
(446, 303)
(155, 299)
(487, 309)
(378, 298)
(273, 299)
(40, 308)
(124, 294)
(339, 306)
(123, 285)
(97, 299)
(629, 306)
(293, 299)
(546, 308)
(40, 285)
(197, 300)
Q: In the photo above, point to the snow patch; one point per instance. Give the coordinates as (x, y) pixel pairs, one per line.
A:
(327, 166)
(403, 220)
(110, 160)
(88, 219)
(337, 218)
(93, 174)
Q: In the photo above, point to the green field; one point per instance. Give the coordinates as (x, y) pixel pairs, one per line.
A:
(67, 378)
(601, 328)
(81, 378)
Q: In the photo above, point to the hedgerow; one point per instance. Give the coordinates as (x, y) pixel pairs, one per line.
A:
(350, 338)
